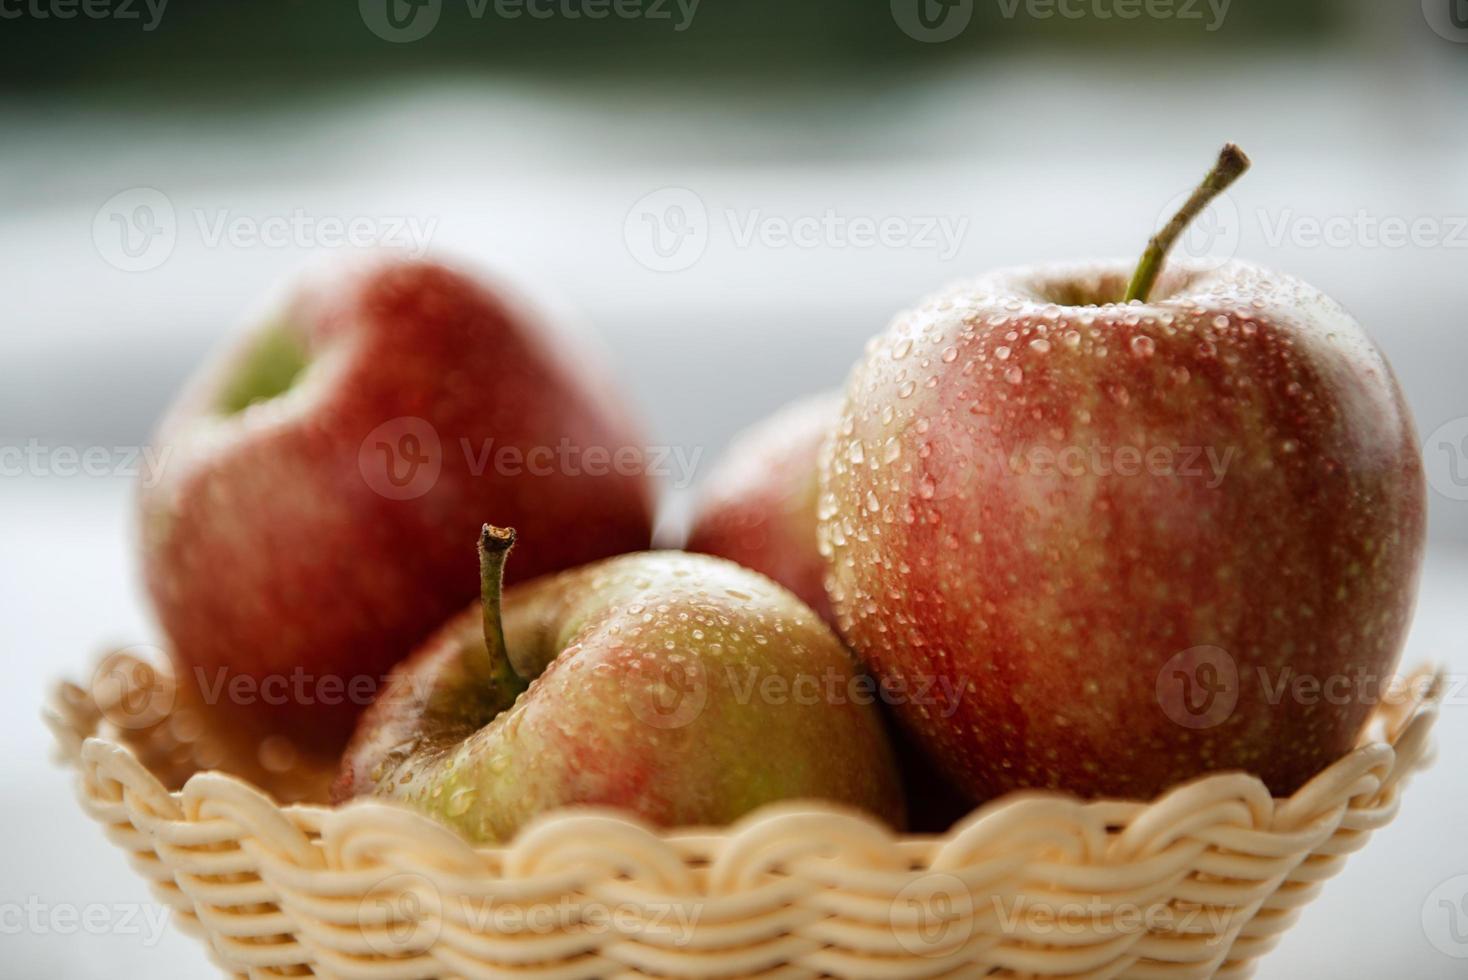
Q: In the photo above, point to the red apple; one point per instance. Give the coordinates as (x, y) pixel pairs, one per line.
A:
(758, 506)
(324, 474)
(1109, 538)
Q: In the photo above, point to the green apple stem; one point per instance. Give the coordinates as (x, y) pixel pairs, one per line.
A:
(494, 547)
(1232, 162)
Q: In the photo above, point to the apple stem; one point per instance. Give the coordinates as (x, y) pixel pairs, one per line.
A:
(1232, 162)
(494, 547)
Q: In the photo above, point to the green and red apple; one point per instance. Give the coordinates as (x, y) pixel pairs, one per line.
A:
(682, 688)
(325, 471)
(1120, 519)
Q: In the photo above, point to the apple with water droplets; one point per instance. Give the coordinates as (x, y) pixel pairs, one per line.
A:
(1149, 524)
(682, 688)
(322, 474)
(758, 506)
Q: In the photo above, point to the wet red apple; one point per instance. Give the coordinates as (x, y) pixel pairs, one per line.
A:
(324, 473)
(758, 506)
(1141, 531)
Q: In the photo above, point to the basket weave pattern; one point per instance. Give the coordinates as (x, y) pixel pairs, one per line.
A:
(1197, 883)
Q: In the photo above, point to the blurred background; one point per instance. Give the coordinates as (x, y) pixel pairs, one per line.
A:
(701, 179)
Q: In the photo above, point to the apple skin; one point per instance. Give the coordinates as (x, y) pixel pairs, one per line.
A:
(267, 552)
(758, 506)
(1055, 595)
(647, 696)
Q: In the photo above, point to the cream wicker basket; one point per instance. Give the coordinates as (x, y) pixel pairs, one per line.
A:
(1197, 883)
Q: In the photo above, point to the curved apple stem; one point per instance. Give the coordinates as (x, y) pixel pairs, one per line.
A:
(1232, 162)
(494, 547)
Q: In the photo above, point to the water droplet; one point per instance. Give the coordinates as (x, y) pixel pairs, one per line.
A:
(891, 449)
(1143, 346)
(903, 348)
(873, 504)
(1220, 321)
(1002, 353)
(855, 453)
(1181, 375)
(908, 387)
(950, 354)
(1040, 345)
(460, 802)
(1014, 374)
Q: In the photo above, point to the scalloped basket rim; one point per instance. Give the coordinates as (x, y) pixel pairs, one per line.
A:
(794, 889)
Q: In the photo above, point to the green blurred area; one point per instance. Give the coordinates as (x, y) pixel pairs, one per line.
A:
(207, 49)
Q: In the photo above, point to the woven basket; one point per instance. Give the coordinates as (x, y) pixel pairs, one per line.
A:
(1197, 883)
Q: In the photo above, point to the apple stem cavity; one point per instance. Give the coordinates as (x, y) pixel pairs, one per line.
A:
(494, 547)
(1232, 162)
